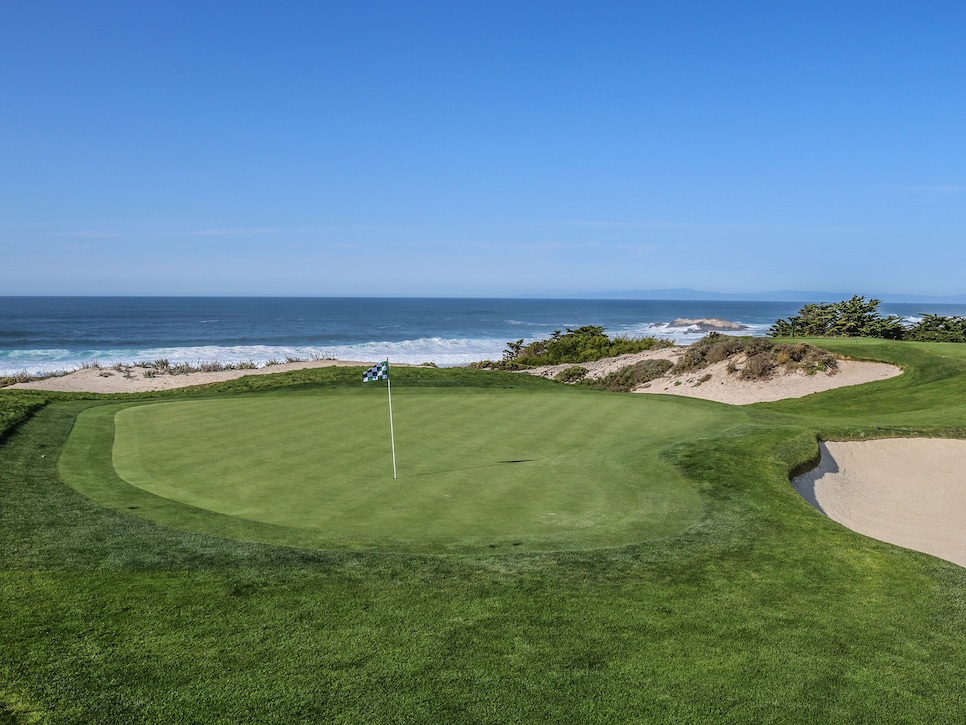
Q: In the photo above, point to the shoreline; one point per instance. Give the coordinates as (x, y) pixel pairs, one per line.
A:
(131, 379)
(711, 383)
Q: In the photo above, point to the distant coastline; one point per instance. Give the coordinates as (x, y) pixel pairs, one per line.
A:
(774, 296)
(647, 295)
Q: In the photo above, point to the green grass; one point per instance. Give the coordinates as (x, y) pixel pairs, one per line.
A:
(758, 610)
(569, 476)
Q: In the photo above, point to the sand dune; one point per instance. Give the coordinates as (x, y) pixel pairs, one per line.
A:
(716, 383)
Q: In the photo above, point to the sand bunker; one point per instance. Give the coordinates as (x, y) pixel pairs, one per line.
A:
(906, 491)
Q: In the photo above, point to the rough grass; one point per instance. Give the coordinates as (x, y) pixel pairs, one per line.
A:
(762, 611)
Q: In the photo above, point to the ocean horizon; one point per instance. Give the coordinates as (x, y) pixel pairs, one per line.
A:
(43, 335)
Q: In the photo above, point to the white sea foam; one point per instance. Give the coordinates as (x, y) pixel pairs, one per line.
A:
(524, 323)
(441, 351)
(687, 334)
(445, 352)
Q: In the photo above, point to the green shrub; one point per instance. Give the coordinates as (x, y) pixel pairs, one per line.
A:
(585, 344)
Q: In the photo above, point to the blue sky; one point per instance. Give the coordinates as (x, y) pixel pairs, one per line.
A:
(481, 149)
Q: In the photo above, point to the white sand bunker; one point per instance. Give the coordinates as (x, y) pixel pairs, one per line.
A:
(906, 491)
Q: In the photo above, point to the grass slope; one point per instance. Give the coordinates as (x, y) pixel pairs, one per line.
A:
(763, 610)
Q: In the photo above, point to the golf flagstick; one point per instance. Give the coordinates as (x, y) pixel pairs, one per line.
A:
(392, 435)
(380, 371)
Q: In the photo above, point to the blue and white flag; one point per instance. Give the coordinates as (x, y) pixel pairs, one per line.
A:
(376, 372)
(380, 371)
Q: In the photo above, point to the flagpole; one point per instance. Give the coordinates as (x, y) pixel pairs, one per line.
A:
(392, 435)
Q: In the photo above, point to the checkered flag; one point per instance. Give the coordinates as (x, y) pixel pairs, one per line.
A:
(380, 371)
(376, 372)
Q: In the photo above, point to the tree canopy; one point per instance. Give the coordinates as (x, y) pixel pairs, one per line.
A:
(854, 317)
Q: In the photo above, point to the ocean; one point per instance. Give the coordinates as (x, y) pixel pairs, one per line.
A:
(41, 335)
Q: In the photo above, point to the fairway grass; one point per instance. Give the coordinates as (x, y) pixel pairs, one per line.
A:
(539, 471)
(120, 605)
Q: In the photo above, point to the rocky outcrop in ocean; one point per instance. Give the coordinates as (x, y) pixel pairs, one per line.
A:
(708, 324)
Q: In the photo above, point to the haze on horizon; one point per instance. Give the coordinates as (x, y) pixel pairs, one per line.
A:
(497, 149)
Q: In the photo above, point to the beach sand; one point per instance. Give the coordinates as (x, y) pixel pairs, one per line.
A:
(131, 379)
(906, 491)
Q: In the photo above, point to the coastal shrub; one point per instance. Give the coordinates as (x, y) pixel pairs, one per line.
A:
(571, 374)
(804, 357)
(713, 347)
(724, 348)
(584, 344)
(506, 365)
(758, 366)
(21, 377)
(754, 358)
(630, 377)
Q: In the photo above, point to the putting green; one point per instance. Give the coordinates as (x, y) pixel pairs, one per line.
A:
(475, 469)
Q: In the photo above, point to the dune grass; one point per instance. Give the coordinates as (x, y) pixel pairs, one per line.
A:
(761, 610)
